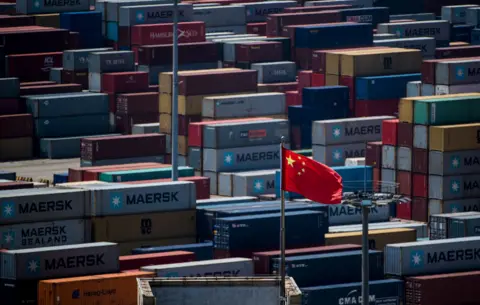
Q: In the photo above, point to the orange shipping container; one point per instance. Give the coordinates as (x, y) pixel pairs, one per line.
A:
(105, 289)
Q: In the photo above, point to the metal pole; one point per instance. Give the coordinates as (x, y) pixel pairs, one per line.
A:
(365, 267)
(282, 231)
(175, 93)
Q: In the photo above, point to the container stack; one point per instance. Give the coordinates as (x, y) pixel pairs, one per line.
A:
(219, 18)
(88, 25)
(16, 136)
(257, 12)
(472, 19)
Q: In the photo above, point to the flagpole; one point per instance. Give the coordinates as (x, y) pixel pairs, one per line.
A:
(282, 230)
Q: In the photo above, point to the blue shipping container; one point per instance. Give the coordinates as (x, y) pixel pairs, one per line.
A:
(71, 104)
(60, 178)
(334, 36)
(331, 268)
(72, 126)
(384, 87)
(6, 175)
(475, 37)
(87, 24)
(373, 15)
(203, 251)
(260, 232)
(461, 32)
(331, 101)
(380, 292)
(226, 200)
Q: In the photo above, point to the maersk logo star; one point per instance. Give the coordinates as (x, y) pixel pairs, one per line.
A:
(455, 208)
(455, 162)
(8, 237)
(228, 158)
(337, 155)
(258, 185)
(8, 210)
(36, 4)
(33, 265)
(417, 259)
(116, 201)
(460, 73)
(336, 132)
(398, 32)
(455, 186)
(140, 16)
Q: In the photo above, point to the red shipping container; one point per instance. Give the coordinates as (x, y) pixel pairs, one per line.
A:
(261, 51)
(188, 53)
(420, 161)
(129, 262)
(16, 126)
(153, 88)
(276, 22)
(428, 68)
(162, 33)
(420, 185)
(51, 89)
(318, 80)
(74, 77)
(373, 154)
(137, 103)
(390, 132)
(202, 184)
(225, 82)
(124, 122)
(404, 180)
(14, 21)
(33, 39)
(33, 67)
(263, 261)
(184, 121)
(15, 185)
(118, 147)
(195, 130)
(292, 98)
(377, 179)
(350, 83)
(405, 134)
(221, 253)
(304, 80)
(420, 209)
(376, 108)
(303, 9)
(259, 28)
(92, 173)
(277, 87)
(457, 52)
(121, 82)
(39, 83)
(404, 210)
(303, 57)
(11, 106)
(112, 104)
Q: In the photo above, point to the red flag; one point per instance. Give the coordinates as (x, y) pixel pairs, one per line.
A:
(311, 179)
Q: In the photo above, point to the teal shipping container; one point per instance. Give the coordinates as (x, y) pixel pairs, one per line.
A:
(145, 174)
(447, 111)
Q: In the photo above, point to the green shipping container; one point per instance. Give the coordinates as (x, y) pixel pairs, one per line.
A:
(145, 174)
(447, 111)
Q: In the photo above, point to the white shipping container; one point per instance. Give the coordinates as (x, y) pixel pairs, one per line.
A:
(389, 180)
(388, 156)
(404, 159)
(414, 89)
(420, 136)
(428, 90)
(455, 89)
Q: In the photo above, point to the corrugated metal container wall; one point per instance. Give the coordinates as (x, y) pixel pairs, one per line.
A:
(132, 262)
(203, 251)
(378, 239)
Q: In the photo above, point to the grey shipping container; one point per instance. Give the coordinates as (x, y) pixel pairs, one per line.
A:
(56, 75)
(473, 16)
(439, 223)
(229, 46)
(457, 72)
(443, 89)
(45, 234)
(464, 226)
(342, 214)
(146, 128)
(60, 148)
(212, 268)
(258, 11)
(414, 88)
(140, 198)
(335, 155)
(233, 135)
(453, 187)
(346, 131)
(245, 105)
(70, 104)
(87, 163)
(223, 200)
(432, 257)
(215, 16)
(404, 159)
(60, 261)
(379, 37)
(422, 230)
(154, 71)
(50, 6)
(113, 7)
(237, 29)
(439, 29)
(253, 183)
(417, 17)
(10, 87)
(425, 44)
(330, 2)
(151, 14)
(276, 72)
(241, 159)
(454, 163)
(195, 157)
(43, 204)
(436, 206)
(112, 61)
(456, 13)
(77, 60)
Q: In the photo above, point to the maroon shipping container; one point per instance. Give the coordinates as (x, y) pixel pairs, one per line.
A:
(373, 154)
(121, 82)
(263, 261)
(404, 180)
(303, 57)
(259, 28)
(420, 161)
(15, 185)
(443, 289)
(33, 39)
(39, 83)
(136, 103)
(292, 98)
(304, 80)
(376, 108)
(390, 132)
(276, 22)
(277, 87)
(11, 106)
(124, 122)
(404, 210)
(184, 121)
(118, 147)
(405, 134)
(73, 41)
(218, 82)
(377, 179)
(129, 262)
(319, 80)
(153, 88)
(33, 67)
(348, 81)
(77, 174)
(16, 126)
(51, 89)
(92, 174)
(457, 52)
(319, 8)
(188, 53)
(221, 253)
(74, 77)
(152, 34)
(7, 21)
(420, 185)
(259, 51)
(202, 184)
(428, 68)
(420, 209)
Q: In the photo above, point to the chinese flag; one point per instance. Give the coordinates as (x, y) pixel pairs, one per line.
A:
(311, 179)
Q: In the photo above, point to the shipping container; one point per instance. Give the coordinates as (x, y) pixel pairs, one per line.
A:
(335, 155)
(202, 184)
(258, 11)
(377, 238)
(453, 187)
(77, 60)
(144, 174)
(463, 226)
(335, 35)
(275, 22)
(404, 159)
(132, 262)
(440, 223)
(439, 29)
(454, 137)
(32, 67)
(457, 71)
(14, 185)
(453, 206)
(373, 154)
(383, 87)
(162, 33)
(430, 257)
(152, 13)
(420, 227)
(111, 61)
(27, 7)
(60, 261)
(220, 16)
(457, 51)
(158, 159)
(207, 268)
(275, 72)
(188, 53)
(227, 82)
(122, 82)
(203, 251)
(425, 44)
(253, 183)
(454, 163)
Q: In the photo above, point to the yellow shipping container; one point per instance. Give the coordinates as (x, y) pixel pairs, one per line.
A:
(106, 289)
(377, 239)
(455, 137)
(332, 80)
(333, 63)
(126, 247)
(48, 20)
(405, 107)
(381, 62)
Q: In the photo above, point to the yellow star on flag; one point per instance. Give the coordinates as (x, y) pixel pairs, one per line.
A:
(290, 161)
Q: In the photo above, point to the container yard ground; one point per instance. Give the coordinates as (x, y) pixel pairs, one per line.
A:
(40, 168)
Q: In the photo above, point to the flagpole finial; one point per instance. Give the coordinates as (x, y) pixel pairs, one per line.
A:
(282, 140)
